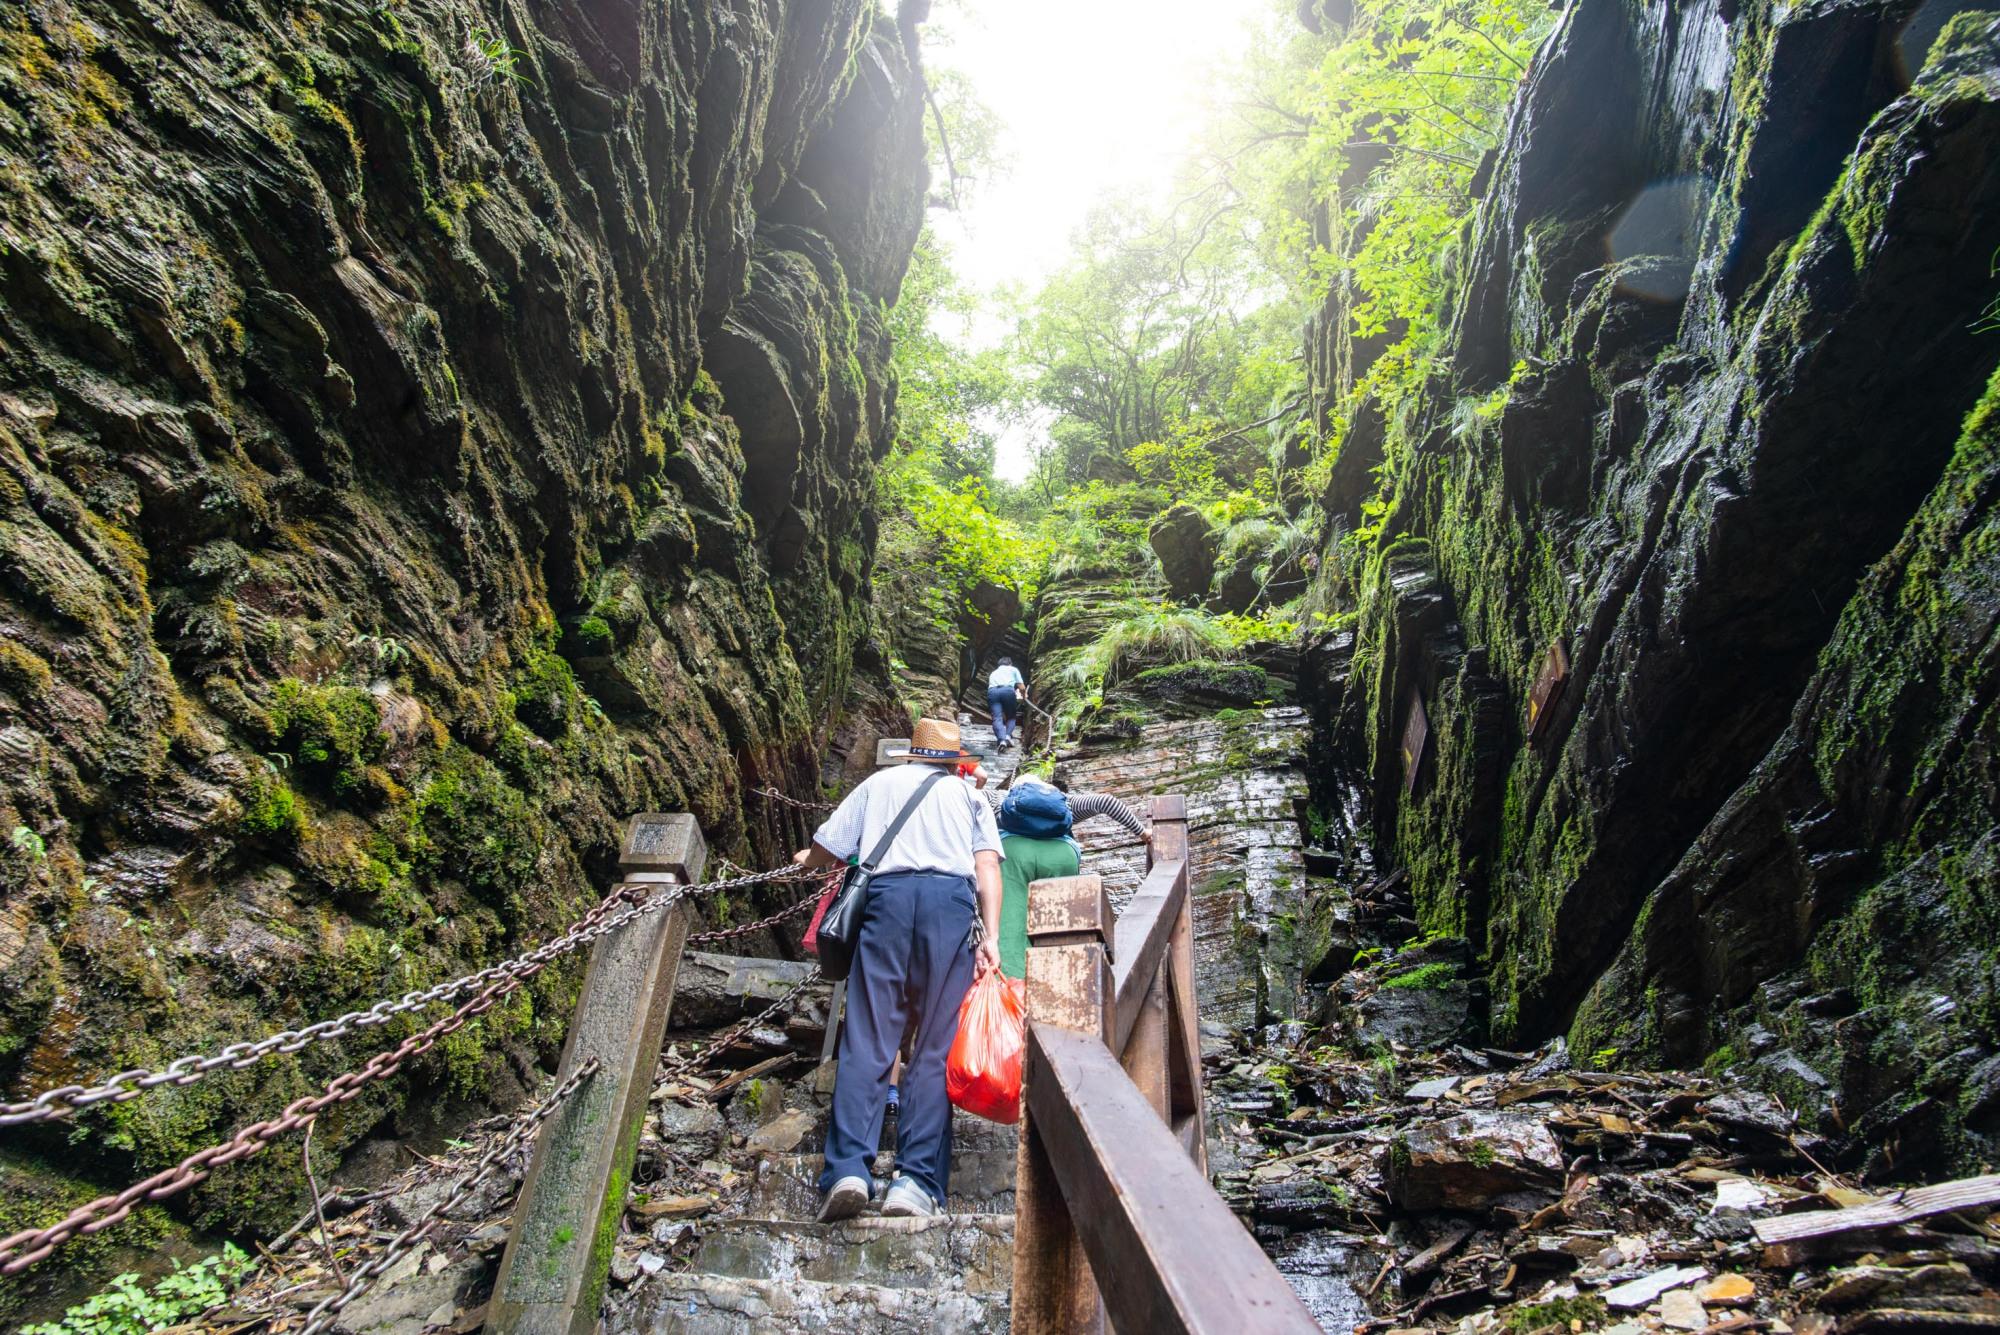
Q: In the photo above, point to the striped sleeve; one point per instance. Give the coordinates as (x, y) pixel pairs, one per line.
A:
(1085, 805)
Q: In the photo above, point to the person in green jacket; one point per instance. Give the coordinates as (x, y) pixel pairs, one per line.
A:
(1035, 820)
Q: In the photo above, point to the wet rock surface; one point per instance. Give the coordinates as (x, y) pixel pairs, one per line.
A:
(408, 470)
(1694, 653)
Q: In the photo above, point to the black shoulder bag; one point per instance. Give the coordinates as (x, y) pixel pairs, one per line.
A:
(840, 927)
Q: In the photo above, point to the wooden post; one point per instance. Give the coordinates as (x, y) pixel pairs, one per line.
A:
(1185, 1101)
(1069, 986)
(559, 1253)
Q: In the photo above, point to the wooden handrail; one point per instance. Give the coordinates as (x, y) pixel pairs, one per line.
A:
(1165, 1250)
(1140, 942)
(1113, 1208)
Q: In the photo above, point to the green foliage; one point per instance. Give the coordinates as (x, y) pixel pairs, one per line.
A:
(128, 1308)
(332, 732)
(1438, 973)
(490, 60)
(593, 635)
(1154, 346)
(29, 842)
(1557, 1314)
(1150, 636)
(270, 809)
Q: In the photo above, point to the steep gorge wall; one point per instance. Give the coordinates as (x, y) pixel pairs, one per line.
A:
(428, 433)
(1719, 422)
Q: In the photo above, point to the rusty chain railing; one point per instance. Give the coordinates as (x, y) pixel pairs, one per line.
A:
(26, 1247)
(60, 1102)
(328, 1311)
(786, 800)
(790, 911)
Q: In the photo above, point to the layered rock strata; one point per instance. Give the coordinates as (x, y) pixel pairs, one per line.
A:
(1674, 683)
(428, 435)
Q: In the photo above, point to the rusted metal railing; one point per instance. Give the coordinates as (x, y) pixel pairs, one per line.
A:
(1114, 1213)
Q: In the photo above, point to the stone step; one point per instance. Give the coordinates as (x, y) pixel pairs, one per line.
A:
(786, 1186)
(970, 1254)
(695, 1304)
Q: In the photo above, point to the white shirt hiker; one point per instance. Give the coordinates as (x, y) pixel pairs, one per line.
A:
(1006, 675)
(941, 835)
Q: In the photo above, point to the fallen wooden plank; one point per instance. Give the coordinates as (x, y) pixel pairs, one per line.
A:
(769, 1064)
(1970, 1193)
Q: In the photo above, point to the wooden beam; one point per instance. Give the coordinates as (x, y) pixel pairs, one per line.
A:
(1053, 1292)
(1145, 1057)
(1068, 985)
(1066, 910)
(1167, 1253)
(558, 1255)
(1170, 830)
(1144, 930)
(1186, 1096)
(1784, 1232)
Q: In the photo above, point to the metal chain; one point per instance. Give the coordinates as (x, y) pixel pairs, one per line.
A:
(790, 911)
(329, 1309)
(774, 795)
(55, 1103)
(25, 1248)
(701, 1054)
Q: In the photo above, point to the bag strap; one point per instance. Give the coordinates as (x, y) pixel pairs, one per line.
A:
(902, 817)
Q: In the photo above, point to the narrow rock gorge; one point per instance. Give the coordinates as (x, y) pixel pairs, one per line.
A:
(1532, 490)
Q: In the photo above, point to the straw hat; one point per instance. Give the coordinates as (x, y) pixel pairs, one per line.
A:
(934, 740)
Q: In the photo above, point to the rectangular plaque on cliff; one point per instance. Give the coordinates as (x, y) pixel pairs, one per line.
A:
(1416, 737)
(1548, 688)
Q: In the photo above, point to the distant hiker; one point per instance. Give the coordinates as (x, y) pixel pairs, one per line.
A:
(912, 964)
(1035, 820)
(1005, 689)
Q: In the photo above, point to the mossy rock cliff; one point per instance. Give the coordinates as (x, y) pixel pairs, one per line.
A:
(427, 438)
(1724, 463)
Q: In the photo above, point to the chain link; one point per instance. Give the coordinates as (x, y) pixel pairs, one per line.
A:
(784, 799)
(790, 911)
(329, 1309)
(25, 1248)
(703, 1053)
(55, 1103)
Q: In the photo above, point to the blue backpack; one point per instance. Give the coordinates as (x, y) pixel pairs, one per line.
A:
(1035, 809)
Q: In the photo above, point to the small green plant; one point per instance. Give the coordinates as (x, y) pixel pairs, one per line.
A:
(1435, 974)
(1479, 1154)
(1561, 1312)
(127, 1308)
(271, 809)
(29, 842)
(387, 651)
(1603, 1057)
(491, 60)
(594, 635)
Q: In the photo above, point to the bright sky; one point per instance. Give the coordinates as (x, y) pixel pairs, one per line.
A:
(1094, 97)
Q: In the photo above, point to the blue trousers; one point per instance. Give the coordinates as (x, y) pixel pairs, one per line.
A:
(1005, 707)
(914, 959)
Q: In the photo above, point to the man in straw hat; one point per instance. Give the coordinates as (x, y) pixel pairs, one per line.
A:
(912, 965)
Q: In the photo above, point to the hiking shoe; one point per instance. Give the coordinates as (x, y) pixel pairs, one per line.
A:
(845, 1200)
(905, 1199)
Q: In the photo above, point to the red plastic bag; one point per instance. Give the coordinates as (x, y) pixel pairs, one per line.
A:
(983, 1073)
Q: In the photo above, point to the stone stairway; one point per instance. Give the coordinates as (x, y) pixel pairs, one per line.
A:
(771, 1270)
(976, 736)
